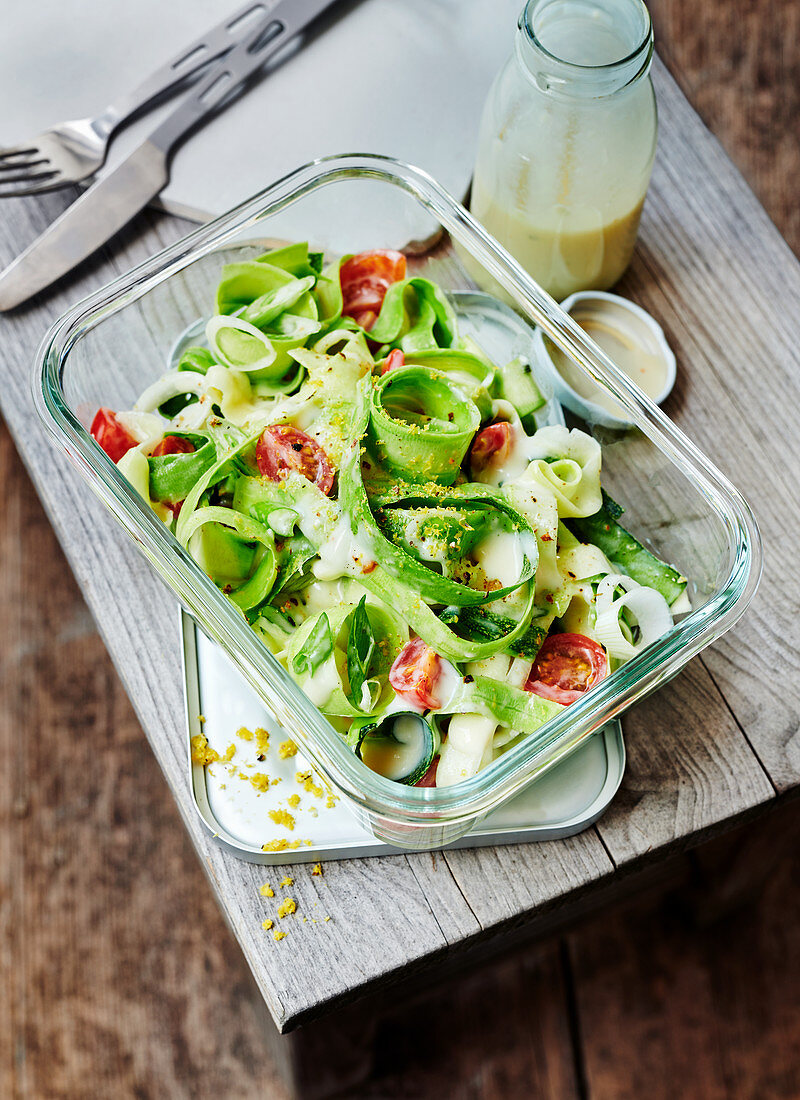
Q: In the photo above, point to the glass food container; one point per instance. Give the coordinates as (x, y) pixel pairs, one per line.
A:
(106, 349)
(567, 142)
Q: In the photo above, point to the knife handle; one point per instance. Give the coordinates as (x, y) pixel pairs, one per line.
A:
(189, 61)
(225, 79)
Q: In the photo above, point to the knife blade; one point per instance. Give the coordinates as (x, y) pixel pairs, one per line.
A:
(110, 203)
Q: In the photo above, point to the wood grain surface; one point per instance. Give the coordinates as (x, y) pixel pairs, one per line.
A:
(120, 977)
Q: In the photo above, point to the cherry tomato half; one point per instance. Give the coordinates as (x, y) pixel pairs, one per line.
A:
(282, 448)
(111, 435)
(491, 446)
(414, 674)
(429, 778)
(394, 359)
(566, 666)
(173, 445)
(365, 278)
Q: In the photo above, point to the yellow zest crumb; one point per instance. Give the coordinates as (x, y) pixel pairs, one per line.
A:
(244, 733)
(278, 935)
(287, 749)
(316, 869)
(286, 881)
(293, 800)
(260, 781)
(282, 817)
(275, 782)
(230, 752)
(266, 891)
(306, 781)
(330, 801)
(313, 811)
(327, 918)
(267, 924)
(281, 844)
(202, 753)
(289, 905)
(262, 742)
(201, 718)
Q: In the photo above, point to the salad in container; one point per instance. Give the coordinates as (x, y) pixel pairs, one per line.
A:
(435, 590)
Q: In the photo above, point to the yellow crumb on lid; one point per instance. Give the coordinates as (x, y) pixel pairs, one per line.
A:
(260, 781)
(244, 733)
(278, 935)
(286, 881)
(287, 749)
(287, 906)
(280, 844)
(266, 891)
(202, 753)
(293, 800)
(282, 817)
(267, 924)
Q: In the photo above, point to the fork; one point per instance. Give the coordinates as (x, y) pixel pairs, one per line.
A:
(71, 151)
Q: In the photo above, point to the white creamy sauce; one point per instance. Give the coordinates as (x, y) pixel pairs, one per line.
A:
(344, 554)
(500, 557)
(322, 683)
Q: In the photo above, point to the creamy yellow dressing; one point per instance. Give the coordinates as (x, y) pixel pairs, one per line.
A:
(626, 349)
(568, 249)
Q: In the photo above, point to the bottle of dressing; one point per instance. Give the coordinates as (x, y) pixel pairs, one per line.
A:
(567, 142)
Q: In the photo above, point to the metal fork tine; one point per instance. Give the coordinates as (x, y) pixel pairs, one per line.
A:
(19, 165)
(11, 186)
(19, 151)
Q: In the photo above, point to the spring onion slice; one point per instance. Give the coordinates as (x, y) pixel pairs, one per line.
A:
(238, 344)
(646, 605)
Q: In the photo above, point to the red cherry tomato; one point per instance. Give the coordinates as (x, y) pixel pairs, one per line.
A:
(414, 674)
(429, 778)
(394, 359)
(283, 448)
(491, 446)
(111, 435)
(364, 279)
(173, 445)
(566, 667)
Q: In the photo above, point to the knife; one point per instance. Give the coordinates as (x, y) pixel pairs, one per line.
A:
(108, 205)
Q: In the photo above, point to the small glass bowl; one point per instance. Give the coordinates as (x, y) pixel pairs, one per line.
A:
(106, 349)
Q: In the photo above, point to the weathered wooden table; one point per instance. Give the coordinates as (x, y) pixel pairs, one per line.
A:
(718, 744)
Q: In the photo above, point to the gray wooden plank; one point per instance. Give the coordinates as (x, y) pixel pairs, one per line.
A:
(715, 271)
(446, 900)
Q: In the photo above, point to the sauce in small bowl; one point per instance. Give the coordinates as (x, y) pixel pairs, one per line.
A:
(630, 337)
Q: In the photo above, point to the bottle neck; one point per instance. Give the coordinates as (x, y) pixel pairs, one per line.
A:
(584, 49)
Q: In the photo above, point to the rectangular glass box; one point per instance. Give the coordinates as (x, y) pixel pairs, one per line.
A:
(106, 349)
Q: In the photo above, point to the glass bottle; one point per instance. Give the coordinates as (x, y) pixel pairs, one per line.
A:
(567, 142)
